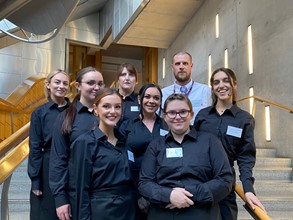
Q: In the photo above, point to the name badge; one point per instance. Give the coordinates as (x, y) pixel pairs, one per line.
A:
(233, 131)
(134, 108)
(163, 132)
(174, 152)
(130, 155)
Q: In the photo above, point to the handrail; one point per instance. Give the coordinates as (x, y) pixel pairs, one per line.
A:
(14, 139)
(257, 211)
(13, 159)
(257, 98)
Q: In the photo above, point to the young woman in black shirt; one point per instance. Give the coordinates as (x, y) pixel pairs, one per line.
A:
(100, 182)
(140, 131)
(185, 173)
(42, 205)
(76, 120)
(235, 128)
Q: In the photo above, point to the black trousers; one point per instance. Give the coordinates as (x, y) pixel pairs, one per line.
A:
(191, 213)
(43, 207)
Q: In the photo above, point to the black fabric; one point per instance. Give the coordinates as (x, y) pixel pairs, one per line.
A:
(241, 149)
(40, 138)
(84, 121)
(100, 181)
(203, 170)
(130, 108)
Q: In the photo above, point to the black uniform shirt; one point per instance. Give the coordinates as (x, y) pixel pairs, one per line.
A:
(235, 129)
(84, 121)
(203, 169)
(130, 108)
(138, 137)
(96, 167)
(40, 138)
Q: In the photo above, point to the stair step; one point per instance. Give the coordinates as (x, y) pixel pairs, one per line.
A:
(270, 173)
(272, 161)
(266, 152)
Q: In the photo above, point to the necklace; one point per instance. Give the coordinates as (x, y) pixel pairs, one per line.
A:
(112, 141)
(188, 92)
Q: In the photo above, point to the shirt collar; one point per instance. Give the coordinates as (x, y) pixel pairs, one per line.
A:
(188, 85)
(192, 134)
(52, 104)
(99, 135)
(233, 110)
(80, 107)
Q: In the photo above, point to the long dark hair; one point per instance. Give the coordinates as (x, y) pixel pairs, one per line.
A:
(141, 94)
(232, 80)
(71, 111)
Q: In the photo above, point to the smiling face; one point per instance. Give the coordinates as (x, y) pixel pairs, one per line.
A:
(151, 100)
(109, 110)
(178, 124)
(58, 86)
(222, 87)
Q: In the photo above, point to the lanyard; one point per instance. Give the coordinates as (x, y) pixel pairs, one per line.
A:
(190, 89)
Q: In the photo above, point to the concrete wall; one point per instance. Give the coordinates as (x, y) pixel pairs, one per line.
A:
(21, 60)
(272, 33)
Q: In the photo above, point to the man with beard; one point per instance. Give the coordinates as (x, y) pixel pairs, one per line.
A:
(199, 94)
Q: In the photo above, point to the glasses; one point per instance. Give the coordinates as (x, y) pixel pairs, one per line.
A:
(173, 114)
(94, 83)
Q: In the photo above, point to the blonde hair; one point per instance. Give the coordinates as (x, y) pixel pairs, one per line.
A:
(48, 80)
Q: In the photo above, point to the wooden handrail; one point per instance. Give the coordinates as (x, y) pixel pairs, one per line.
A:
(258, 211)
(13, 159)
(268, 102)
(14, 139)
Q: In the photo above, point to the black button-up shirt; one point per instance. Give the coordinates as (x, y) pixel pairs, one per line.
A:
(235, 129)
(203, 169)
(130, 108)
(98, 169)
(84, 121)
(138, 137)
(40, 138)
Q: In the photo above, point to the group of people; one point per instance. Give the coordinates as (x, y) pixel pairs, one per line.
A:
(158, 154)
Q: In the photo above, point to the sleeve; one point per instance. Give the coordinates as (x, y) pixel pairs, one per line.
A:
(80, 170)
(207, 96)
(220, 183)
(197, 121)
(58, 171)
(35, 158)
(246, 156)
(148, 186)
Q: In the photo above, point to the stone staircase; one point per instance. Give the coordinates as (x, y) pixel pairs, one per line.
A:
(273, 186)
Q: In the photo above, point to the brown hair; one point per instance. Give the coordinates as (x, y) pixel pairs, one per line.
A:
(180, 97)
(71, 111)
(48, 80)
(105, 92)
(233, 82)
(130, 68)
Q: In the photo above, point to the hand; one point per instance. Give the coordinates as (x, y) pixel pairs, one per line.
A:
(37, 192)
(143, 204)
(252, 200)
(179, 198)
(64, 212)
